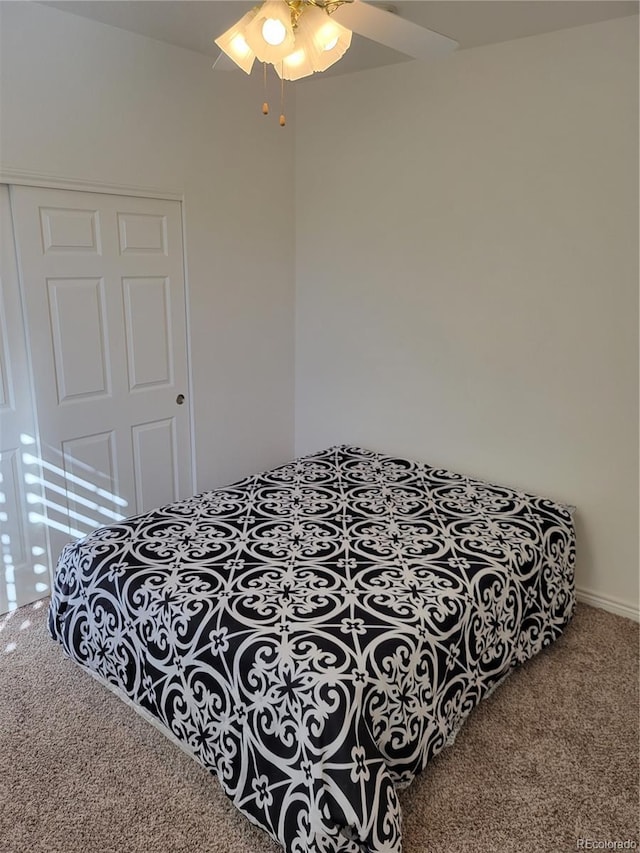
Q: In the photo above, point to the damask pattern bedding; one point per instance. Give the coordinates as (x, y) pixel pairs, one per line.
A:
(316, 633)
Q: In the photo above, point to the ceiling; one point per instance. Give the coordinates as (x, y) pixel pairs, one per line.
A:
(193, 24)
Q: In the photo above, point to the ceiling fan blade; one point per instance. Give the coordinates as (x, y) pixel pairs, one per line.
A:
(393, 31)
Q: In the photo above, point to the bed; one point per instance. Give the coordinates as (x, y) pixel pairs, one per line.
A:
(314, 634)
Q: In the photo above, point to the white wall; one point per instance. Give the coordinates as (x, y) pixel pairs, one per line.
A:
(467, 273)
(82, 100)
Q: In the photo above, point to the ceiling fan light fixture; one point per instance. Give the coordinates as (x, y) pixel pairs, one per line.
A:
(297, 37)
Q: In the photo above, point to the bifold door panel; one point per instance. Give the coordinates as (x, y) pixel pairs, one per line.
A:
(103, 289)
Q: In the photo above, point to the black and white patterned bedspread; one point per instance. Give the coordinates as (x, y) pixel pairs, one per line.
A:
(316, 633)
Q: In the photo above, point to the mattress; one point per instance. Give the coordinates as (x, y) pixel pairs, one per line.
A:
(315, 634)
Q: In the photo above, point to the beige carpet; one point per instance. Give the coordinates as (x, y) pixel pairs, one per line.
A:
(549, 759)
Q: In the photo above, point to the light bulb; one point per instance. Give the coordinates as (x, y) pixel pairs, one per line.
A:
(273, 31)
(331, 44)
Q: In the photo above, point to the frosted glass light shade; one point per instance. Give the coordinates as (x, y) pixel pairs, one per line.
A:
(335, 40)
(296, 65)
(276, 10)
(233, 43)
(267, 33)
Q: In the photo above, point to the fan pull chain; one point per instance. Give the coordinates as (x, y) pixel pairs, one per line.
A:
(283, 120)
(265, 105)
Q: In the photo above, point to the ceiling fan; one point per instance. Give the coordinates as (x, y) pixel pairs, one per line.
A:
(300, 37)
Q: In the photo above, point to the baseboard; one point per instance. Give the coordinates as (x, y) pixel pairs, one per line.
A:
(605, 602)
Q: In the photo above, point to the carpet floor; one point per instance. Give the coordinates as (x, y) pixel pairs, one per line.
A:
(549, 762)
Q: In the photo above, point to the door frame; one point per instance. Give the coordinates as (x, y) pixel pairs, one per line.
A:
(9, 175)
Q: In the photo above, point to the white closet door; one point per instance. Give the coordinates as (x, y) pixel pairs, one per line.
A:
(24, 575)
(103, 283)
